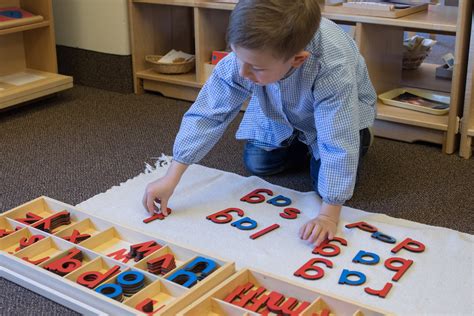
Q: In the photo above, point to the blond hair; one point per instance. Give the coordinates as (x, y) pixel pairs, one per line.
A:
(283, 27)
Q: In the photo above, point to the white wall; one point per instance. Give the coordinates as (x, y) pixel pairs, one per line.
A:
(96, 25)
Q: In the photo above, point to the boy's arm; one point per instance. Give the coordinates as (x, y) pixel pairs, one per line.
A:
(161, 190)
(338, 138)
(337, 121)
(216, 106)
(203, 124)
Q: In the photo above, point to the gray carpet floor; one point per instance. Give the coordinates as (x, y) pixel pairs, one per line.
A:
(86, 140)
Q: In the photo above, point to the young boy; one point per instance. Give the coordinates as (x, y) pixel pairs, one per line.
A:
(308, 84)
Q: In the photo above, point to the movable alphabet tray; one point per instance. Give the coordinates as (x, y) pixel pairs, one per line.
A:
(98, 267)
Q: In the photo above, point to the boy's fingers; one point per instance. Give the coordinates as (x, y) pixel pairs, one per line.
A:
(308, 230)
(321, 238)
(164, 207)
(331, 235)
(316, 232)
(150, 205)
(301, 231)
(145, 203)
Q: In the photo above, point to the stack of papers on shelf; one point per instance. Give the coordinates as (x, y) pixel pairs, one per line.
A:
(418, 44)
(20, 78)
(368, 5)
(13, 16)
(174, 56)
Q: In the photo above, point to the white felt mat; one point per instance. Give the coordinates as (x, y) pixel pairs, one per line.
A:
(440, 282)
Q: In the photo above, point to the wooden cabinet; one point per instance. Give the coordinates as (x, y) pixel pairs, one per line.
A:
(380, 39)
(157, 26)
(28, 67)
(467, 126)
(199, 27)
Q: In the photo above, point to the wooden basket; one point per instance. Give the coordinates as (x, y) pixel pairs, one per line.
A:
(166, 68)
(413, 60)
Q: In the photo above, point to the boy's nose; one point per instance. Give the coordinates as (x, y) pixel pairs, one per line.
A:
(246, 72)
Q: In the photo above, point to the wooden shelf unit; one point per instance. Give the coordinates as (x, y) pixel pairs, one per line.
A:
(379, 40)
(440, 19)
(30, 50)
(467, 127)
(26, 27)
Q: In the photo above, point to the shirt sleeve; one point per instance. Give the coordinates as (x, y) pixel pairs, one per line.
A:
(337, 123)
(216, 106)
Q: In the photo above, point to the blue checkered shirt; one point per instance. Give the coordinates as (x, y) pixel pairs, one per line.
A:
(326, 102)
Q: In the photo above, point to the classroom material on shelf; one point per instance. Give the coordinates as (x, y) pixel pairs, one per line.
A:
(174, 56)
(174, 62)
(445, 71)
(218, 55)
(29, 84)
(384, 9)
(118, 270)
(14, 16)
(416, 49)
(20, 78)
(436, 103)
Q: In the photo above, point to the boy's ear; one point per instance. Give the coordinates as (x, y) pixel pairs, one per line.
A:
(299, 58)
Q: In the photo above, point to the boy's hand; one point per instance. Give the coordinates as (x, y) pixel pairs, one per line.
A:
(162, 189)
(323, 227)
(158, 191)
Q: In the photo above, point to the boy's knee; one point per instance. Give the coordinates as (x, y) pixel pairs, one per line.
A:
(259, 168)
(261, 162)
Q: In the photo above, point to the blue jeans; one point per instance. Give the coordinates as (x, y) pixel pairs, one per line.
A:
(264, 163)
